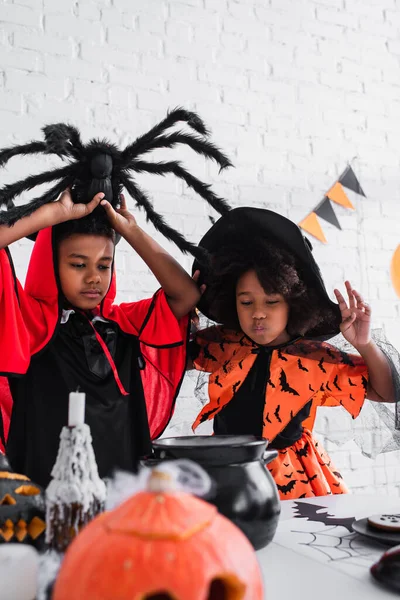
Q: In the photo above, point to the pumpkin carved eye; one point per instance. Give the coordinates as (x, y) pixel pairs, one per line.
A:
(229, 588)
(7, 500)
(27, 490)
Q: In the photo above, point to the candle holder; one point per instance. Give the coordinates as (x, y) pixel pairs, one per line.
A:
(76, 494)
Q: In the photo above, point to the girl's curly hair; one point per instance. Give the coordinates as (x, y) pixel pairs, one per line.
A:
(278, 272)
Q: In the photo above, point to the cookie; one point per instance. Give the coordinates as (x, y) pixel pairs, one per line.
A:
(385, 522)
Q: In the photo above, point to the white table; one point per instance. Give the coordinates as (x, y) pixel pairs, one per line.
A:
(311, 560)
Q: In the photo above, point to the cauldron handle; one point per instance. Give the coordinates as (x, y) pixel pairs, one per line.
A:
(269, 455)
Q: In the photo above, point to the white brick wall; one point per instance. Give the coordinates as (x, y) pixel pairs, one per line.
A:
(292, 91)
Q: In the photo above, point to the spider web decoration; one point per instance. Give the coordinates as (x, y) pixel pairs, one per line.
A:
(328, 540)
(345, 551)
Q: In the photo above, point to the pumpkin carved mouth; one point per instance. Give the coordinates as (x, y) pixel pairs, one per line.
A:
(22, 508)
(22, 529)
(222, 588)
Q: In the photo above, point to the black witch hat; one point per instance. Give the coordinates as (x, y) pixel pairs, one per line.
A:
(100, 166)
(242, 227)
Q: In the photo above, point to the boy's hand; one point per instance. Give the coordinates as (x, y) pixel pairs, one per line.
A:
(65, 208)
(120, 219)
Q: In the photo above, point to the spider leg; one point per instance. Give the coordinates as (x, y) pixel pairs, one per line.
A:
(63, 140)
(23, 150)
(11, 216)
(159, 222)
(203, 189)
(13, 190)
(187, 116)
(175, 116)
(196, 143)
(68, 135)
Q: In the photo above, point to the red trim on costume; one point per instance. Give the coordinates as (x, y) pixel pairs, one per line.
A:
(110, 360)
(5, 409)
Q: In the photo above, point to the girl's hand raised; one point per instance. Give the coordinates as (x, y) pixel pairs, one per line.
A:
(356, 318)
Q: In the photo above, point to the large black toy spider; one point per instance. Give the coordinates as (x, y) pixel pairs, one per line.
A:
(100, 166)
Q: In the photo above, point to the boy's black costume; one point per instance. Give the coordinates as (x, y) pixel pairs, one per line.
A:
(130, 358)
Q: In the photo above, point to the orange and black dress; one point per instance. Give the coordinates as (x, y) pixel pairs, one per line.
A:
(275, 392)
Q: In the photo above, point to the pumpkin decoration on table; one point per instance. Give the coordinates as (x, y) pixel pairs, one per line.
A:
(22, 508)
(160, 544)
(395, 270)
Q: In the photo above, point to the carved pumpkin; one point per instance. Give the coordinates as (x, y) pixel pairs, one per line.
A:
(22, 508)
(160, 545)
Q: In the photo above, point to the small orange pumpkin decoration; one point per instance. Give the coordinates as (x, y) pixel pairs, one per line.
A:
(395, 270)
(160, 545)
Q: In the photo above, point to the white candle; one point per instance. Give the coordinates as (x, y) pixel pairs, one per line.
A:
(76, 409)
(18, 572)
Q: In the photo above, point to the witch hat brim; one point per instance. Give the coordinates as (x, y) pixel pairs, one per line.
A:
(244, 226)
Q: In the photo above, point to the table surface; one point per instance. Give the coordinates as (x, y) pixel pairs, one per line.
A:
(314, 559)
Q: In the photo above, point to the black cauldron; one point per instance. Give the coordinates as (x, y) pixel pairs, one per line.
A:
(244, 490)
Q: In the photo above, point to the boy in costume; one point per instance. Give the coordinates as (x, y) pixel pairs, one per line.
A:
(5, 411)
(62, 331)
(269, 361)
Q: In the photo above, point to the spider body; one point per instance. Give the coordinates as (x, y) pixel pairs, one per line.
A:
(100, 166)
(97, 174)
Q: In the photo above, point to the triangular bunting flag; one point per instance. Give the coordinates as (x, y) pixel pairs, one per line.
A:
(338, 195)
(350, 181)
(312, 226)
(325, 211)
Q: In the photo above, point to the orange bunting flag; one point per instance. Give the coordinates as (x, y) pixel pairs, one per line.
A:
(324, 209)
(338, 195)
(312, 226)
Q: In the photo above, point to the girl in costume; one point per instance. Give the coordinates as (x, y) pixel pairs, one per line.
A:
(269, 362)
(62, 331)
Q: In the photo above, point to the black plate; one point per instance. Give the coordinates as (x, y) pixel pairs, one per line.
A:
(378, 535)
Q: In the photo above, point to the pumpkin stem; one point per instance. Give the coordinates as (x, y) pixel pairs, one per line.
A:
(161, 482)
